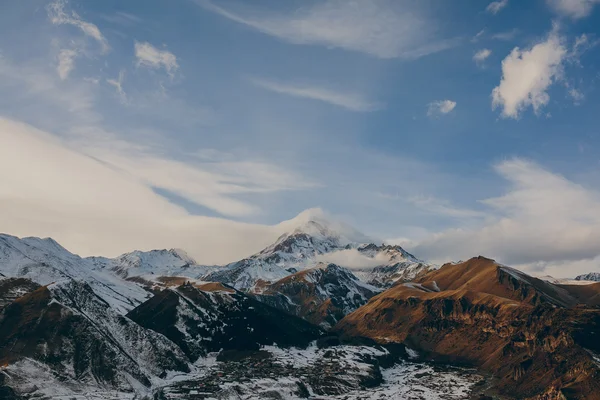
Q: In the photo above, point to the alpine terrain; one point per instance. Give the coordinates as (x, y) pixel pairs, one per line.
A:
(322, 313)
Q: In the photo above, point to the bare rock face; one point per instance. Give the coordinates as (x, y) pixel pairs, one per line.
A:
(530, 334)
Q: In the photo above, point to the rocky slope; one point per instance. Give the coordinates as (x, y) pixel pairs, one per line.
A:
(322, 295)
(530, 334)
(67, 332)
(201, 321)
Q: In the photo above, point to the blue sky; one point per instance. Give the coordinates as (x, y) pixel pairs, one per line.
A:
(454, 128)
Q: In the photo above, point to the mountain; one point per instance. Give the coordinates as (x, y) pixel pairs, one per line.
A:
(44, 261)
(220, 318)
(398, 265)
(319, 240)
(534, 337)
(151, 264)
(63, 338)
(293, 251)
(322, 295)
(592, 276)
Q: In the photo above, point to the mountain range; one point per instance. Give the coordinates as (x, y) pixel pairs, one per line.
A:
(321, 313)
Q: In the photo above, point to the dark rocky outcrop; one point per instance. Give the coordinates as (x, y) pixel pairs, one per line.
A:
(200, 322)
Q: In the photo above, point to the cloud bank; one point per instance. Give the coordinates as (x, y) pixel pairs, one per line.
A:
(542, 221)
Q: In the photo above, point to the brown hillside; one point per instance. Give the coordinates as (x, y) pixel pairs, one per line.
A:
(498, 319)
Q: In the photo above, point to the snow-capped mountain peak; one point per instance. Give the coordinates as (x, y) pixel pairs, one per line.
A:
(592, 276)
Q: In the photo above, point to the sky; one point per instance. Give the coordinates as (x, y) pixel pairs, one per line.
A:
(451, 128)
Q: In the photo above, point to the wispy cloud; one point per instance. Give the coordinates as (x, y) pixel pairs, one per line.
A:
(506, 35)
(121, 18)
(443, 207)
(573, 8)
(495, 6)
(118, 85)
(440, 107)
(481, 55)
(527, 74)
(349, 101)
(382, 28)
(58, 16)
(151, 57)
(66, 60)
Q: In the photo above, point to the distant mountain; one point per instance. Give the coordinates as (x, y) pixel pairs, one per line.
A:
(592, 276)
(44, 261)
(398, 265)
(308, 243)
(322, 295)
(536, 338)
(292, 252)
(151, 265)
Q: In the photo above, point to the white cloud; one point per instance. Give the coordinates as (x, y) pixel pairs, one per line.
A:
(495, 6)
(151, 57)
(353, 259)
(527, 75)
(481, 56)
(382, 28)
(573, 8)
(542, 220)
(107, 205)
(118, 85)
(440, 107)
(66, 59)
(350, 101)
(58, 16)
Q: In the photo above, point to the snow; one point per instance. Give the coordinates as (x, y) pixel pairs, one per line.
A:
(592, 276)
(406, 380)
(44, 261)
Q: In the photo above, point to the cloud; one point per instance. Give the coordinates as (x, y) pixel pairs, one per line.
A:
(118, 85)
(66, 59)
(543, 219)
(381, 28)
(527, 75)
(442, 207)
(481, 56)
(478, 36)
(108, 206)
(58, 16)
(151, 57)
(495, 6)
(353, 259)
(506, 35)
(440, 107)
(122, 18)
(573, 8)
(349, 101)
